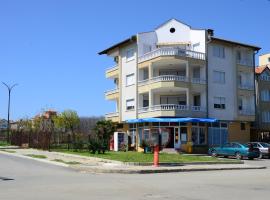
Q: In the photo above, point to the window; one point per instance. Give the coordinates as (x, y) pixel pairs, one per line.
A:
(265, 116)
(130, 79)
(219, 102)
(198, 135)
(146, 134)
(265, 95)
(243, 126)
(238, 55)
(130, 54)
(219, 51)
(130, 104)
(219, 77)
(240, 104)
(183, 135)
(172, 30)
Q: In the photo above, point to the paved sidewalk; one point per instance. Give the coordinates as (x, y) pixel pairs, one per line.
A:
(98, 165)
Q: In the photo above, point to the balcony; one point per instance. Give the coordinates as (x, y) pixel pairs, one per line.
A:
(164, 78)
(247, 112)
(246, 86)
(173, 110)
(198, 81)
(114, 116)
(245, 62)
(112, 72)
(112, 94)
(171, 51)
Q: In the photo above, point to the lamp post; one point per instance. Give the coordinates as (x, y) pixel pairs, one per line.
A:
(9, 87)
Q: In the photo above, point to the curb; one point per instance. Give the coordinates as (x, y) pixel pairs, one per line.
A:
(182, 164)
(152, 171)
(36, 159)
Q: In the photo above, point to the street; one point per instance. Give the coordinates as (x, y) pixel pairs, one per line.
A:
(36, 180)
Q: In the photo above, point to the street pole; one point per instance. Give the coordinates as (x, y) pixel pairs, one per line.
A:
(9, 93)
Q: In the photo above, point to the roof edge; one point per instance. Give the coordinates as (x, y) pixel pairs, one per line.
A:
(133, 38)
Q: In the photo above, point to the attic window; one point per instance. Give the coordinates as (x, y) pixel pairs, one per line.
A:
(172, 30)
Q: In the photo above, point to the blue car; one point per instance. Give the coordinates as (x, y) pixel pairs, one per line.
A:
(235, 149)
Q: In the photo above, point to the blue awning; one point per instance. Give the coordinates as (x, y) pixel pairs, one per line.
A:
(184, 119)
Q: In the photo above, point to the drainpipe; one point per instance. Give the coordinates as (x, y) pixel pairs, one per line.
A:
(256, 93)
(208, 40)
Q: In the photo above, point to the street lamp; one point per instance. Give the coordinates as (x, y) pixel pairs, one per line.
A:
(9, 87)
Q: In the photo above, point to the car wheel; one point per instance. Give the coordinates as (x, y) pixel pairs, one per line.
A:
(214, 153)
(238, 156)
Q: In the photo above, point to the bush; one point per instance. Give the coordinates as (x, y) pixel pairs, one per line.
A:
(123, 147)
(78, 145)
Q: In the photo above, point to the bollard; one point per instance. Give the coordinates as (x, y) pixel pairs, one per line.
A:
(156, 156)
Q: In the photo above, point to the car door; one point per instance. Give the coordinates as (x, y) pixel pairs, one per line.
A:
(225, 149)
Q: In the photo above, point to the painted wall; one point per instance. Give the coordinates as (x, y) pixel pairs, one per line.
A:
(198, 37)
(263, 59)
(181, 34)
(128, 92)
(227, 90)
(146, 42)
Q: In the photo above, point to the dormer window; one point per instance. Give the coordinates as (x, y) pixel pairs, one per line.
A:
(172, 30)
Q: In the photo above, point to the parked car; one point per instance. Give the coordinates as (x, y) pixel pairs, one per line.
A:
(235, 149)
(263, 147)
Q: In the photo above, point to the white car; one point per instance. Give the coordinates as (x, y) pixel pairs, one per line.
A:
(263, 147)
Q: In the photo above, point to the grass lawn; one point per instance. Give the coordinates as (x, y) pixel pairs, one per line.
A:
(4, 143)
(67, 162)
(132, 156)
(36, 156)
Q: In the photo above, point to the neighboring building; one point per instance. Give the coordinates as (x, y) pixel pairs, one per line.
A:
(178, 80)
(262, 128)
(3, 124)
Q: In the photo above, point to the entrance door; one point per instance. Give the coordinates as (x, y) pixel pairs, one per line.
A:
(176, 138)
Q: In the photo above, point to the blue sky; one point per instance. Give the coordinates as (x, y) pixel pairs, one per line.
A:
(50, 47)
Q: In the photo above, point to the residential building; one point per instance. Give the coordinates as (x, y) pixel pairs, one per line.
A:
(262, 128)
(185, 83)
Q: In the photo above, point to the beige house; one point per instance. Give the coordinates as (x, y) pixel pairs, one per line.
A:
(183, 81)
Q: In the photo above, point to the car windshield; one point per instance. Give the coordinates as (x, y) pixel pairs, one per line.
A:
(265, 145)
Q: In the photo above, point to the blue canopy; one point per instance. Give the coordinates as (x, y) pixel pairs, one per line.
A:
(184, 119)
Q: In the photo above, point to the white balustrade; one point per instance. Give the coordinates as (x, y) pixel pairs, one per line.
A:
(171, 51)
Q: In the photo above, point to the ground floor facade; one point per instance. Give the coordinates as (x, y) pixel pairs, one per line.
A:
(190, 137)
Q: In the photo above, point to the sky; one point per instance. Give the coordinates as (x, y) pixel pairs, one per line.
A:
(49, 47)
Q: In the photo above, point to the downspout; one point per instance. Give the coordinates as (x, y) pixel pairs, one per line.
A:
(256, 92)
(208, 40)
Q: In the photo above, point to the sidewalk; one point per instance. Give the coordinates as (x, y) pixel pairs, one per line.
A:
(98, 165)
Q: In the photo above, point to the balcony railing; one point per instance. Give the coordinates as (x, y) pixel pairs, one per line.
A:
(113, 91)
(198, 81)
(112, 114)
(171, 51)
(245, 62)
(265, 78)
(171, 78)
(246, 86)
(168, 107)
(111, 69)
(247, 112)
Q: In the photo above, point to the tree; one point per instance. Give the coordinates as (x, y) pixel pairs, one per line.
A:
(104, 129)
(67, 120)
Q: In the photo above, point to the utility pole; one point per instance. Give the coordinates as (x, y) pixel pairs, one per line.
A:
(9, 87)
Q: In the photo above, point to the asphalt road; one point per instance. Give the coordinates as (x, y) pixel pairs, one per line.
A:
(34, 180)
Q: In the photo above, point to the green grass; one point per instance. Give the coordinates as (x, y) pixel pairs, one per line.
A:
(9, 151)
(67, 162)
(145, 158)
(4, 143)
(36, 156)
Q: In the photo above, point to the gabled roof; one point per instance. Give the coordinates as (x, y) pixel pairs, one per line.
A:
(236, 43)
(126, 41)
(260, 69)
(172, 20)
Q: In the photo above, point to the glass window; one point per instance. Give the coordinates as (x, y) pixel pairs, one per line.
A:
(265, 95)
(130, 79)
(130, 54)
(198, 135)
(219, 51)
(130, 104)
(243, 126)
(219, 77)
(132, 134)
(146, 134)
(265, 116)
(183, 135)
(219, 102)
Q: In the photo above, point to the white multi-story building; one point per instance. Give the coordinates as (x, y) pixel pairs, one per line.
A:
(179, 80)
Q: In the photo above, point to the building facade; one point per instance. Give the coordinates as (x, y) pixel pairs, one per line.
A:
(262, 82)
(178, 72)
